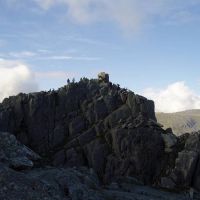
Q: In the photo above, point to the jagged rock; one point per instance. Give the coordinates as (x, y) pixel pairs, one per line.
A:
(100, 109)
(141, 150)
(73, 184)
(184, 168)
(71, 144)
(59, 158)
(139, 104)
(64, 184)
(87, 136)
(90, 116)
(100, 129)
(170, 141)
(97, 124)
(75, 157)
(153, 123)
(97, 152)
(15, 154)
(118, 136)
(103, 77)
(123, 95)
(121, 113)
(77, 126)
(133, 102)
(49, 184)
(59, 136)
(167, 183)
(196, 177)
(193, 142)
(74, 126)
(168, 130)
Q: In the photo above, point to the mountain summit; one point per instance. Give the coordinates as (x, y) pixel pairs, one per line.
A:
(94, 124)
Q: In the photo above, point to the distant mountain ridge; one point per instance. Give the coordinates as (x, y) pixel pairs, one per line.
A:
(181, 122)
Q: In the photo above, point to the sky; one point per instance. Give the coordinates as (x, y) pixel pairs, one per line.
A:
(148, 46)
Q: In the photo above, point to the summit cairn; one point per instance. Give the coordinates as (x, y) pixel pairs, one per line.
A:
(103, 77)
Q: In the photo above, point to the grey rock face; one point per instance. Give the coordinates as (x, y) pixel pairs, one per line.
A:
(73, 184)
(96, 124)
(74, 125)
(185, 167)
(184, 173)
(103, 77)
(136, 156)
(170, 141)
(15, 154)
(52, 183)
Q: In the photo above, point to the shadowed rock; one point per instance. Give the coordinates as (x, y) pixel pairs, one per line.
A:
(14, 154)
(98, 125)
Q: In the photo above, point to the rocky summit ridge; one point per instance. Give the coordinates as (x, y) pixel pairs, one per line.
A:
(92, 140)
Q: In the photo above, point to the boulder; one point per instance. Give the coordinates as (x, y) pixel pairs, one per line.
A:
(185, 166)
(167, 183)
(170, 141)
(193, 142)
(137, 152)
(15, 154)
(103, 77)
(139, 104)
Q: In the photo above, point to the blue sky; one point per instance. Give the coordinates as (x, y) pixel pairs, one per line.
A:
(146, 46)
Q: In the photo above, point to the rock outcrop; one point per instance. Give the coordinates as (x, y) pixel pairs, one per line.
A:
(91, 123)
(14, 154)
(55, 183)
(97, 125)
(103, 77)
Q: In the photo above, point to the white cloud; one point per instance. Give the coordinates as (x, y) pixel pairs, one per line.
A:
(81, 58)
(174, 98)
(128, 14)
(15, 77)
(22, 54)
(43, 54)
(86, 40)
(43, 51)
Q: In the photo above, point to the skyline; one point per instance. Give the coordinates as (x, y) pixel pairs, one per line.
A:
(150, 47)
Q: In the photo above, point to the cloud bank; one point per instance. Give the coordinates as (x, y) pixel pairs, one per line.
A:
(127, 14)
(15, 77)
(174, 98)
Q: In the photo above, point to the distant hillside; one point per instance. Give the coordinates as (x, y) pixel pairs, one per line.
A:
(180, 122)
